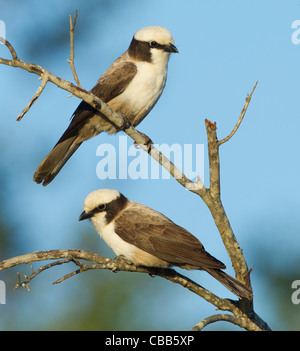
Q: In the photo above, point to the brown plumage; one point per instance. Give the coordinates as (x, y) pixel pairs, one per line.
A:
(86, 121)
(172, 244)
(131, 86)
(148, 238)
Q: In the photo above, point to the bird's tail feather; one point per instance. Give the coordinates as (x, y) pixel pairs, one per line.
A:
(232, 284)
(55, 160)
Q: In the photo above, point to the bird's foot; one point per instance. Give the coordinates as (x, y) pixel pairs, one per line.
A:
(119, 261)
(126, 124)
(148, 143)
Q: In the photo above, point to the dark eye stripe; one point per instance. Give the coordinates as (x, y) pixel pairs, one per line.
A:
(111, 209)
(156, 45)
(99, 208)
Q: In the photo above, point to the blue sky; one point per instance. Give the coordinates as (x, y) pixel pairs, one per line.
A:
(225, 47)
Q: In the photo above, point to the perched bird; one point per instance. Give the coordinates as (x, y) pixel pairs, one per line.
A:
(146, 237)
(131, 86)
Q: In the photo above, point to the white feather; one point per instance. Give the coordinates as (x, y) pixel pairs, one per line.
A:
(107, 233)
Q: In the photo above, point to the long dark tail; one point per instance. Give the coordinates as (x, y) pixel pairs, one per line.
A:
(232, 284)
(55, 160)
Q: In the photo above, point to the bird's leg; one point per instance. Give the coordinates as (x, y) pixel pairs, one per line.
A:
(118, 261)
(126, 124)
(148, 142)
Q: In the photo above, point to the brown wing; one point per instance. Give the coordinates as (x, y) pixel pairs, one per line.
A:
(156, 234)
(114, 81)
(111, 84)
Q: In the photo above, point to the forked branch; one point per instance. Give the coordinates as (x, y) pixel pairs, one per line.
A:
(99, 262)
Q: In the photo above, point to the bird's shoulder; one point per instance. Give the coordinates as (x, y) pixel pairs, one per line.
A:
(136, 213)
(140, 218)
(111, 84)
(115, 79)
(156, 234)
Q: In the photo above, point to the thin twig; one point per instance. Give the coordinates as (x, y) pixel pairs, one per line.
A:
(10, 47)
(248, 99)
(40, 270)
(71, 60)
(35, 97)
(220, 317)
(69, 275)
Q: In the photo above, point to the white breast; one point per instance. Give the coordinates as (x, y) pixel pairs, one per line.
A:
(107, 233)
(143, 91)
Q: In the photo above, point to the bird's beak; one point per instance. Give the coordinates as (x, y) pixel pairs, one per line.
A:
(83, 216)
(172, 48)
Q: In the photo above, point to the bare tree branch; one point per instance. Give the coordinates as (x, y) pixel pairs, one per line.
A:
(220, 317)
(248, 99)
(35, 97)
(214, 203)
(100, 262)
(10, 48)
(40, 270)
(71, 61)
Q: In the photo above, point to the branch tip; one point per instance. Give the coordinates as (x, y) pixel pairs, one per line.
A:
(242, 115)
(210, 124)
(71, 60)
(10, 48)
(35, 97)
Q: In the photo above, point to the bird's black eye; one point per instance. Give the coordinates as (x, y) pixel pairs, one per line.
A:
(101, 208)
(153, 44)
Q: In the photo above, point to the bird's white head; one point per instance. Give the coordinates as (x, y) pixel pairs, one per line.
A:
(156, 33)
(102, 206)
(153, 44)
(99, 197)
